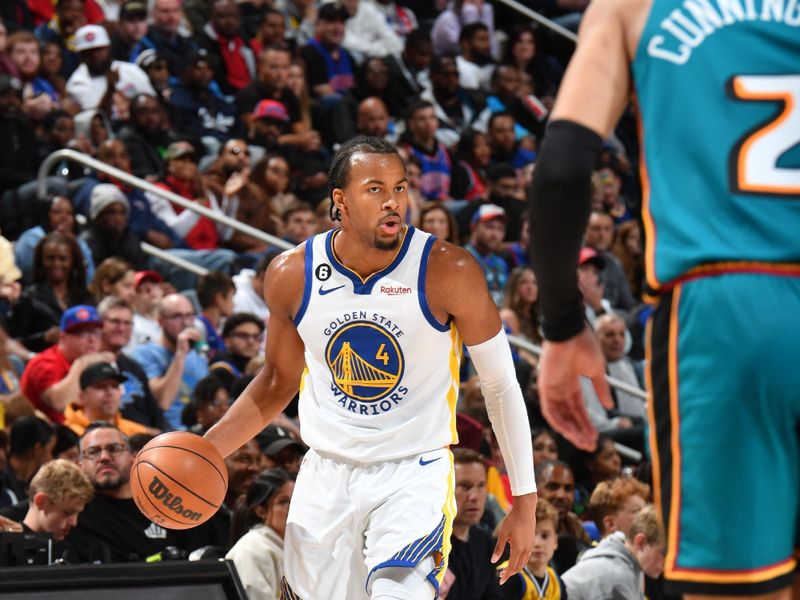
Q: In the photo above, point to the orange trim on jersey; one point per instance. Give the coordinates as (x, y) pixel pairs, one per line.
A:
(728, 267)
(758, 575)
(647, 216)
(651, 416)
(741, 168)
(674, 533)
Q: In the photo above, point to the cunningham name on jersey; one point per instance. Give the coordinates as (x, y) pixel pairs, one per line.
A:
(381, 377)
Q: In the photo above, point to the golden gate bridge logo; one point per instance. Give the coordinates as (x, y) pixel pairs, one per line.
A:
(365, 361)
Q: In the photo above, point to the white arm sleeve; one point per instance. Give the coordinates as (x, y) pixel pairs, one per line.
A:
(506, 408)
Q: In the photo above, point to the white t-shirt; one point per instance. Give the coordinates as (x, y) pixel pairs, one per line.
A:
(88, 90)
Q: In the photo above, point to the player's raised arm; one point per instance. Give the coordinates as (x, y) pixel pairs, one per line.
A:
(560, 205)
(278, 381)
(457, 288)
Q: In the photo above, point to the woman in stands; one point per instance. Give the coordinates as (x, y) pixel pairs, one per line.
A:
(114, 277)
(59, 281)
(258, 529)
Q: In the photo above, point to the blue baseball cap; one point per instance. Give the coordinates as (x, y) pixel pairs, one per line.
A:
(78, 316)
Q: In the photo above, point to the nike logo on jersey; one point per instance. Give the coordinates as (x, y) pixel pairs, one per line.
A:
(423, 462)
(322, 292)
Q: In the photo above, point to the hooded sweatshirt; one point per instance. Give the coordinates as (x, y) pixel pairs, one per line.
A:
(606, 572)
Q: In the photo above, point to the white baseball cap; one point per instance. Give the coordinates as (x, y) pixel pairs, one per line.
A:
(91, 36)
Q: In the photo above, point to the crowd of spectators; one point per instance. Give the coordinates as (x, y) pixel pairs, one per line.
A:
(238, 106)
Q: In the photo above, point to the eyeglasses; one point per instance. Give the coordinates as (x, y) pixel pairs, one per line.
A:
(181, 316)
(94, 452)
(247, 337)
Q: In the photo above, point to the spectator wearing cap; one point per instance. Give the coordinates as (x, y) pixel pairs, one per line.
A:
(269, 121)
(271, 84)
(137, 402)
(243, 334)
(18, 152)
(51, 378)
(149, 293)
(488, 228)
(108, 233)
(99, 400)
(281, 449)
(131, 28)
(157, 69)
(232, 59)
(330, 68)
(182, 177)
(198, 110)
(100, 82)
(31, 443)
(59, 281)
(164, 35)
(591, 284)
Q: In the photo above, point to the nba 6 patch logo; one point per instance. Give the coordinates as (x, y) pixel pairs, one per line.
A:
(366, 365)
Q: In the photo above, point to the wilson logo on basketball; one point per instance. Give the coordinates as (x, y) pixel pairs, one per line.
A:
(174, 503)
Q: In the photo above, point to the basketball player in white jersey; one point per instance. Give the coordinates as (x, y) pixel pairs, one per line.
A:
(368, 321)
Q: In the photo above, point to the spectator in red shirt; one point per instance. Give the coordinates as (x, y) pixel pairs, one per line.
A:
(51, 379)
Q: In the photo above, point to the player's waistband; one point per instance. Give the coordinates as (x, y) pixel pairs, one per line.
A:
(715, 269)
(363, 464)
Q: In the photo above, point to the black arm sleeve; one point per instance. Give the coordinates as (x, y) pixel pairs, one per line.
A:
(560, 205)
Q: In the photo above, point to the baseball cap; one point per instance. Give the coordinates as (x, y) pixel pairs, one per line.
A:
(271, 109)
(195, 57)
(274, 438)
(104, 195)
(91, 36)
(179, 150)
(147, 58)
(590, 255)
(142, 276)
(80, 315)
(100, 371)
(488, 212)
(332, 11)
(132, 9)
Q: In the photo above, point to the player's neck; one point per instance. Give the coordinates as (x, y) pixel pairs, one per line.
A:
(364, 259)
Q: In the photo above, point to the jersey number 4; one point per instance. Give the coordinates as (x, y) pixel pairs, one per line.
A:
(754, 159)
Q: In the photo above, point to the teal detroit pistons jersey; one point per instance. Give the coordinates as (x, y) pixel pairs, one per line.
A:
(718, 90)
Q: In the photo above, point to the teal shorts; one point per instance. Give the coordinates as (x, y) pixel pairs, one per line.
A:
(724, 371)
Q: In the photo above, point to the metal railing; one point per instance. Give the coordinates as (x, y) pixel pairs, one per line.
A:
(129, 179)
(532, 14)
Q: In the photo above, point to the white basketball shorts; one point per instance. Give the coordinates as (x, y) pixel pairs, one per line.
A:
(348, 520)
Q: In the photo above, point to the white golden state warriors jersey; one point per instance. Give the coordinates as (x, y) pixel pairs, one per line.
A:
(381, 377)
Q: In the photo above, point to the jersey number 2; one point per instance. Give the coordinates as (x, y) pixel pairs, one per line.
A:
(754, 160)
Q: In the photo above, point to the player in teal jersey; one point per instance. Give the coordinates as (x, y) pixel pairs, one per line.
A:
(717, 84)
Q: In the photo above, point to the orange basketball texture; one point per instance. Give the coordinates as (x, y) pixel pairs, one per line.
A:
(179, 480)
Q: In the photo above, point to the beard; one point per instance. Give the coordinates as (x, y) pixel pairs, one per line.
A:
(387, 244)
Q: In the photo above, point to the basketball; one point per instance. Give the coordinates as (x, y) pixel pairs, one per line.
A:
(179, 480)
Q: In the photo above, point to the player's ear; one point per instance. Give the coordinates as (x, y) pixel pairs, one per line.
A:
(337, 196)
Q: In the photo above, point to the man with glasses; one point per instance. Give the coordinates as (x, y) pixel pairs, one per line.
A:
(243, 334)
(137, 402)
(111, 528)
(172, 366)
(50, 380)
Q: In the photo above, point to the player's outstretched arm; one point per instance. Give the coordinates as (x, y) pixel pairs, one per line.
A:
(560, 204)
(456, 288)
(278, 381)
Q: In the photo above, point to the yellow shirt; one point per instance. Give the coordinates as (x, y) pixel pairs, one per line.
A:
(532, 589)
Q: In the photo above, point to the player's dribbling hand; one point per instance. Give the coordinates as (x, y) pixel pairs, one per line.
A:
(518, 529)
(562, 363)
